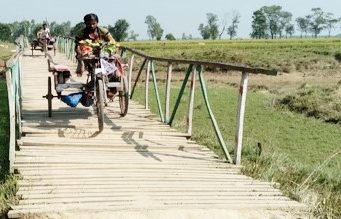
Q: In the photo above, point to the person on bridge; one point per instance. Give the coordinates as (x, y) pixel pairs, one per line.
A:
(91, 32)
(44, 34)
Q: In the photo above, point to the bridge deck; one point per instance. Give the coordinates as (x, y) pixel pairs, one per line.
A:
(136, 168)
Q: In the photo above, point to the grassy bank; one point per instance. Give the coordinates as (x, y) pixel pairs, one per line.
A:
(317, 102)
(5, 50)
(283, 55)
(294, 147)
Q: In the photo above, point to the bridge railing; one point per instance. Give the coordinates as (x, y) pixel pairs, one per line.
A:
(194, 69)
(13, 69)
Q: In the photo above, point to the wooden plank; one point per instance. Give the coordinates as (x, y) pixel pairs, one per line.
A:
(148, 186)
(56, 193)
(150, 194)
(114, 209)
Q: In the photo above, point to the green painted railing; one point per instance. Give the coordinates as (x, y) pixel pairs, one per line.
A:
(13, 68)
(194, 68)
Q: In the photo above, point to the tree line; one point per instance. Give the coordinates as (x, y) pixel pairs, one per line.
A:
(267, 22)
(11, 31)
(272, 22)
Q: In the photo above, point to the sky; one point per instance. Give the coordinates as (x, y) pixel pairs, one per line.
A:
(175, 16)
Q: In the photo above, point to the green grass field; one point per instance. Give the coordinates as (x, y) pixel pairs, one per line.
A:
(301, 151)
(283, 55)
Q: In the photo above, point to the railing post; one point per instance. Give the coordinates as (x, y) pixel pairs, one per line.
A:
(240, 118)
(137, 77)
(168, 90)
(146, 102)
(19, 95)
(191, 102)
(130, 73)
(156, 90)
(11, 107)
(181, 92)
(213, 120)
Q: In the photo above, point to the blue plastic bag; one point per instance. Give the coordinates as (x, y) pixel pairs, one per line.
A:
(72, 99)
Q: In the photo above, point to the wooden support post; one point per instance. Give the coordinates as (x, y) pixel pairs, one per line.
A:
(130, 73)
(156, 90)
(137, 78)
(146, 102)
(214, 121)
(181, 92)
(168, 91)
(191, 103)
(123, 53)
(19, 96)
(11, 107)
(240, 118)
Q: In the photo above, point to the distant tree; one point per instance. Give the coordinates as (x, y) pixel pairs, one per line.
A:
(33, 29)
(77, 29)
(284, 22)
(210, 31)
(303, 25)
(223, 25)
(20, 28)
(170, 37)
(331, 21)
(158, 31)
(289, 30)
(120, 30)
(154, 28)
(204, 31)
(259, 26)
(212, 20)
(32, 26)
(184, 37)
(62, 29)
(232, 29)
(36, 29)
(132, 36)
(272, 14)
(5, 32)
(317, 21)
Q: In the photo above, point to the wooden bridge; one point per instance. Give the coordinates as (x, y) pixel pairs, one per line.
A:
(138, 167)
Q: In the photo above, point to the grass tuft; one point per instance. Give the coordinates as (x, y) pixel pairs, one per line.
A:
(321, 103)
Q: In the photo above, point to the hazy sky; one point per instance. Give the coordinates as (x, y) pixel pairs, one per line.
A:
(175, 16)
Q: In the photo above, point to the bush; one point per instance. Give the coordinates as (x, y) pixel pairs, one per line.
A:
(317, 102)
(338, 56)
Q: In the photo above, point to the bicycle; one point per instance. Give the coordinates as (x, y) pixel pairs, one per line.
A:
(100, 88)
